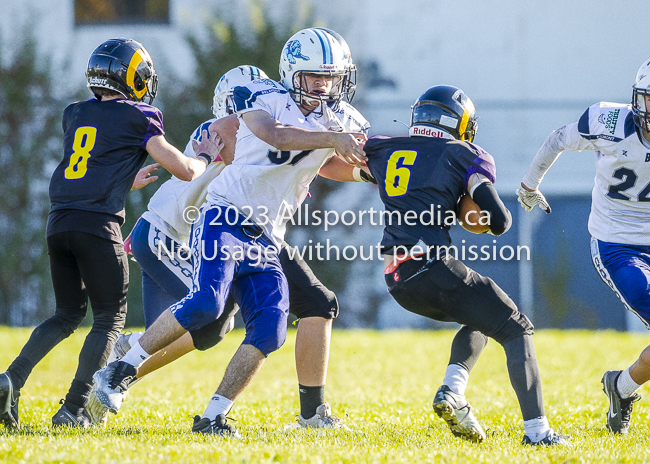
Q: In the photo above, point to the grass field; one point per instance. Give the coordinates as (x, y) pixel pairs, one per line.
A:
(380, 383)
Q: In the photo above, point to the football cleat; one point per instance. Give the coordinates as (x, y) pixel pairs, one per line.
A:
(552, 439)
(620, 409)
(323, 419)
(111, 382)
(97, 412)
(218, 426)
(120, 348)
(65, 418)
(457, 412)
(9, 398)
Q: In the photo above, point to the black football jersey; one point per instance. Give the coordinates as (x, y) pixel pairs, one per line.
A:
(104, 147)
(421, 179)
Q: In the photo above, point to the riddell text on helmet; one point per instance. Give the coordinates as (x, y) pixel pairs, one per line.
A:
(427, 131)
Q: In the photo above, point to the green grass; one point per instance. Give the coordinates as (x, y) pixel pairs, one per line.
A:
(380, 383)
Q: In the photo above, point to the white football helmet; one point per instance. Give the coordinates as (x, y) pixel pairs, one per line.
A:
(640, 89)
(241, 75)
(317, 51)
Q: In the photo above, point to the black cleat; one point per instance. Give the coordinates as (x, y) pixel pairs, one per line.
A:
(620, 409)
(552, 439)
(64, 418)
(9, 398)
(219, 426)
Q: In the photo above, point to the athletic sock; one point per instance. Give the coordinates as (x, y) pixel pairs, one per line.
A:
(537, 429)
(625, 385)
(456, 378)
(77, 397)
(310, 399)
(136, 356)
(218, 405)
(19, 371)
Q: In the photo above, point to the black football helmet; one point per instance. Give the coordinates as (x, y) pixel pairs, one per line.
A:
(123, 65)
(444, 107)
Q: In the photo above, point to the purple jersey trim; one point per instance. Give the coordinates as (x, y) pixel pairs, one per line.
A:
(482, 164)
(155, 117)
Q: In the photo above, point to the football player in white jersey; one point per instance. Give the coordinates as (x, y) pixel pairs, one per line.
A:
(620, 216)
(287, 133)
(166, 277)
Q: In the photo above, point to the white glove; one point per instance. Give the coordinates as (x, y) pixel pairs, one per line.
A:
(529, 199)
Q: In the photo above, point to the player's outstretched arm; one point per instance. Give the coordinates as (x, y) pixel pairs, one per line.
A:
(181, 166)
(270, 130)
(339, 170)
(565, 138)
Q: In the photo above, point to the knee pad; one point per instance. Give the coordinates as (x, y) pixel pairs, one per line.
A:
(111, 323)
(267, 332)
(313, 302)
(212, 334)
(516, 326)
(68, 321)
(198, 309)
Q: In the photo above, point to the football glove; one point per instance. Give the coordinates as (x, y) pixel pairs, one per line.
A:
(529, 199)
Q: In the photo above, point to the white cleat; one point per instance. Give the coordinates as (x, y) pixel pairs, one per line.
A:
(323, 419)
(111, 382)
(457, 412)
(98, 412)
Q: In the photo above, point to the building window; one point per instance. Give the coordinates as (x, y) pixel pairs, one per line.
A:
(91, 12)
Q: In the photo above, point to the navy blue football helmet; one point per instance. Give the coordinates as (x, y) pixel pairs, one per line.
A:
(444, 107)
(124, 66)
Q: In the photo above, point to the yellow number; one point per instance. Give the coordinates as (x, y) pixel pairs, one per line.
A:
(84, 142)
(397, 179)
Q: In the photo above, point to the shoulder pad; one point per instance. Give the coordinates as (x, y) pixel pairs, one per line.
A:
(196, 135)
(260, 91)
(351, 118)
(607, 122)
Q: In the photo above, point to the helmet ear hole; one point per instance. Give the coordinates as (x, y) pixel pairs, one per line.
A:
(138, 83)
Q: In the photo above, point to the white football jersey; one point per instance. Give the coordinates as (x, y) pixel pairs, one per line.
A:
(167, 205)
(620, 199)
(266, 184)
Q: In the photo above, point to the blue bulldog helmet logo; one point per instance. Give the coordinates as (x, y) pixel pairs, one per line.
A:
(293, 52)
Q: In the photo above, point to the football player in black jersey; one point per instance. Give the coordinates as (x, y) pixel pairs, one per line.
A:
(106, 141)
(429, 172)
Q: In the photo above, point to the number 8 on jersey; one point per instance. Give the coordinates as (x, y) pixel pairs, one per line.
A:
(84, 142)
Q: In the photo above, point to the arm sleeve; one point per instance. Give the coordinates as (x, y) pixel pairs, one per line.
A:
(486, 197)
(565, 138)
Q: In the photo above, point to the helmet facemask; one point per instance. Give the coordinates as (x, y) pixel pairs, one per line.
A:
(640, 109)
(640, 90)
(312, 98)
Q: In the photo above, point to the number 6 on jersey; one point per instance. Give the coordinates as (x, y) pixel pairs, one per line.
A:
(83, 143)
(397, 179)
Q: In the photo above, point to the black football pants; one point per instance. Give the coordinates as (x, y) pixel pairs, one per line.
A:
(447, 290)
(83, 267)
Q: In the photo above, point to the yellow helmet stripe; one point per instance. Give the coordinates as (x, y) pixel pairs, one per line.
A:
(464, 120)
(463, 124)
(137, 58)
